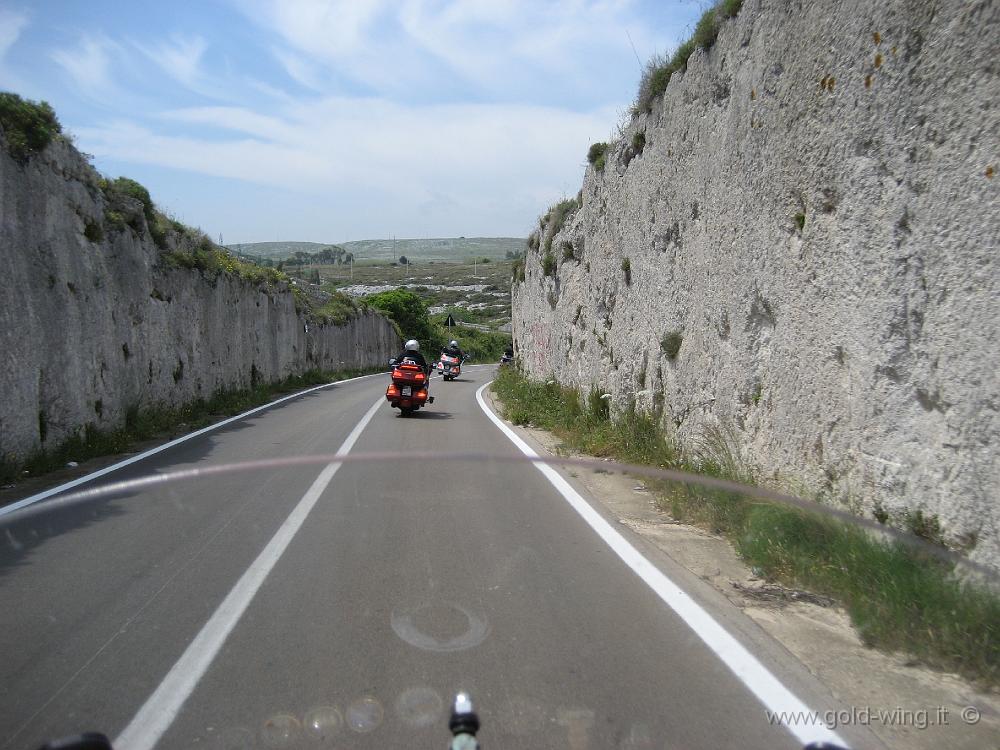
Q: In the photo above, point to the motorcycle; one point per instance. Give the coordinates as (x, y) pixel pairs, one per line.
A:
(506, 359)
(407, 390)
(449, 366)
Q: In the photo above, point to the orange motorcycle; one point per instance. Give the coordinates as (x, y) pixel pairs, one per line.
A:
(408, 389)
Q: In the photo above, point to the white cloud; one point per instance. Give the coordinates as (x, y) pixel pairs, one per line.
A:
(12, 24)
(477, 164)
(89, 65)
(415, 46)
(300, 69)
(180, 58)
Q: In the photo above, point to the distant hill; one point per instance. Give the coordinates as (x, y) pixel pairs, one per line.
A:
(277, 250)
(460, 248)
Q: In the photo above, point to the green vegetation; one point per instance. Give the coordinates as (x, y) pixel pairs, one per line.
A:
(638, 141)
(159, 422)
(337, 310)
(567, 250)
(671, 344)
(899, 597)
(93, 231)
(212, 260)
(481, 346)
(556, 219)
(28, 126)
(549, 264)
(730, 8)
(627, 269)
(123, 186)
(707, 30)
(659, 69)
(596, 155)
(409, 313)
(517, 271)
(800, 221)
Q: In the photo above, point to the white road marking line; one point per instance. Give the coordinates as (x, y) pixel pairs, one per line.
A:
(744, 665)
(162, 707)
(153, 451)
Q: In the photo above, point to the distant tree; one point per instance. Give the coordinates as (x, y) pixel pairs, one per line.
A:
(281, 265)
(408, 311)
(403, 261)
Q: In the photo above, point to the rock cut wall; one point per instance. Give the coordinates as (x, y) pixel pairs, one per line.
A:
(811, 214)
(91, 329)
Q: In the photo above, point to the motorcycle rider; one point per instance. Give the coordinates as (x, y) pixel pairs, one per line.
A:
(411, 351)
(453, 350)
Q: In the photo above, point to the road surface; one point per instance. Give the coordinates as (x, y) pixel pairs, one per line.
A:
(264, 609)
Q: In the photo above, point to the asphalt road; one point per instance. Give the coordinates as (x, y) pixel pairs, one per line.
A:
(404, 583)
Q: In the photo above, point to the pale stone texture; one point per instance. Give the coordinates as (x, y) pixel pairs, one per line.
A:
(855, 357)
(91, 329)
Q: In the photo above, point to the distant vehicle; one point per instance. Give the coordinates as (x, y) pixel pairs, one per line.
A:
(449, 366)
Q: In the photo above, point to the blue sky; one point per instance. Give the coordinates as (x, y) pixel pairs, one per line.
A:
(327, 121)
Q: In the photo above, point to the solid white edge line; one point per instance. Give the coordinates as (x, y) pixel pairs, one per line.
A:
(162, 707)
(25, 502)
(775, 697)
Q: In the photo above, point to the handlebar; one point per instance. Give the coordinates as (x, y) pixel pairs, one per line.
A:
(463, 723)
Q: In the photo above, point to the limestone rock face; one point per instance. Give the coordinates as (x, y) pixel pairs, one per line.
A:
(90, 329)
(801, 250)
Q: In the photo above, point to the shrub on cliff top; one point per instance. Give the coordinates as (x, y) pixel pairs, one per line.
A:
(658, 70)
(132, 189)
(339, 309)
(28, 126)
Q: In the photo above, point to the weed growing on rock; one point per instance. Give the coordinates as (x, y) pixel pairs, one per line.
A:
(638, 141)
(549, 264)
(671, 344)
(517, 270)
(93, 232)
(596, 155)
(707, 30)
(730, 8)
(627, 269)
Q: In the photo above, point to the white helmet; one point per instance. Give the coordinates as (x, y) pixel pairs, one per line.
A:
(453, 344)
(411, 346)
